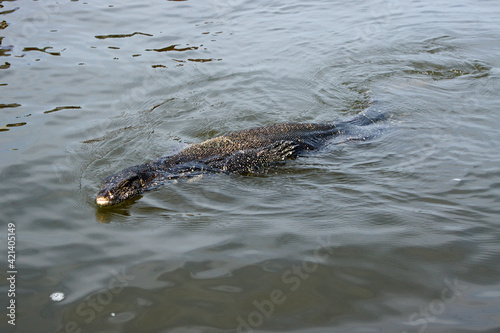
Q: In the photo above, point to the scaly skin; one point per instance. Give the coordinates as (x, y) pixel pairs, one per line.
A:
(237, 152)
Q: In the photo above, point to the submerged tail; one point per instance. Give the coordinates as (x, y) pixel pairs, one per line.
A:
(358, 129)
(373, 114)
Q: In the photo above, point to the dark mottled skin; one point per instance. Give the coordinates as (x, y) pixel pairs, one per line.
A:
(237, 152)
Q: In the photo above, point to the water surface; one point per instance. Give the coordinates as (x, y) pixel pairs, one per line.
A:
(396, 234)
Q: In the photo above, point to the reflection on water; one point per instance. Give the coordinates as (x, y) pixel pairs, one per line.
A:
(395, 234)
(123, 35)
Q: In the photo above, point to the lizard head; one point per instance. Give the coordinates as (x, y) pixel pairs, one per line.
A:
(124, 185)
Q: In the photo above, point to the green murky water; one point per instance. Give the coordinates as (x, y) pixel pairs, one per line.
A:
(397, 234)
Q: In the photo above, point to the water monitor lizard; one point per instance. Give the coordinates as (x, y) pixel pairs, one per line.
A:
(237, 152)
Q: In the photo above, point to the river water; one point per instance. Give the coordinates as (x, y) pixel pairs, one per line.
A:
(396, 234)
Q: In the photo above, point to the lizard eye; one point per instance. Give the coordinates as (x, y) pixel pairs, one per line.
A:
(129, 181)
(134, 181)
